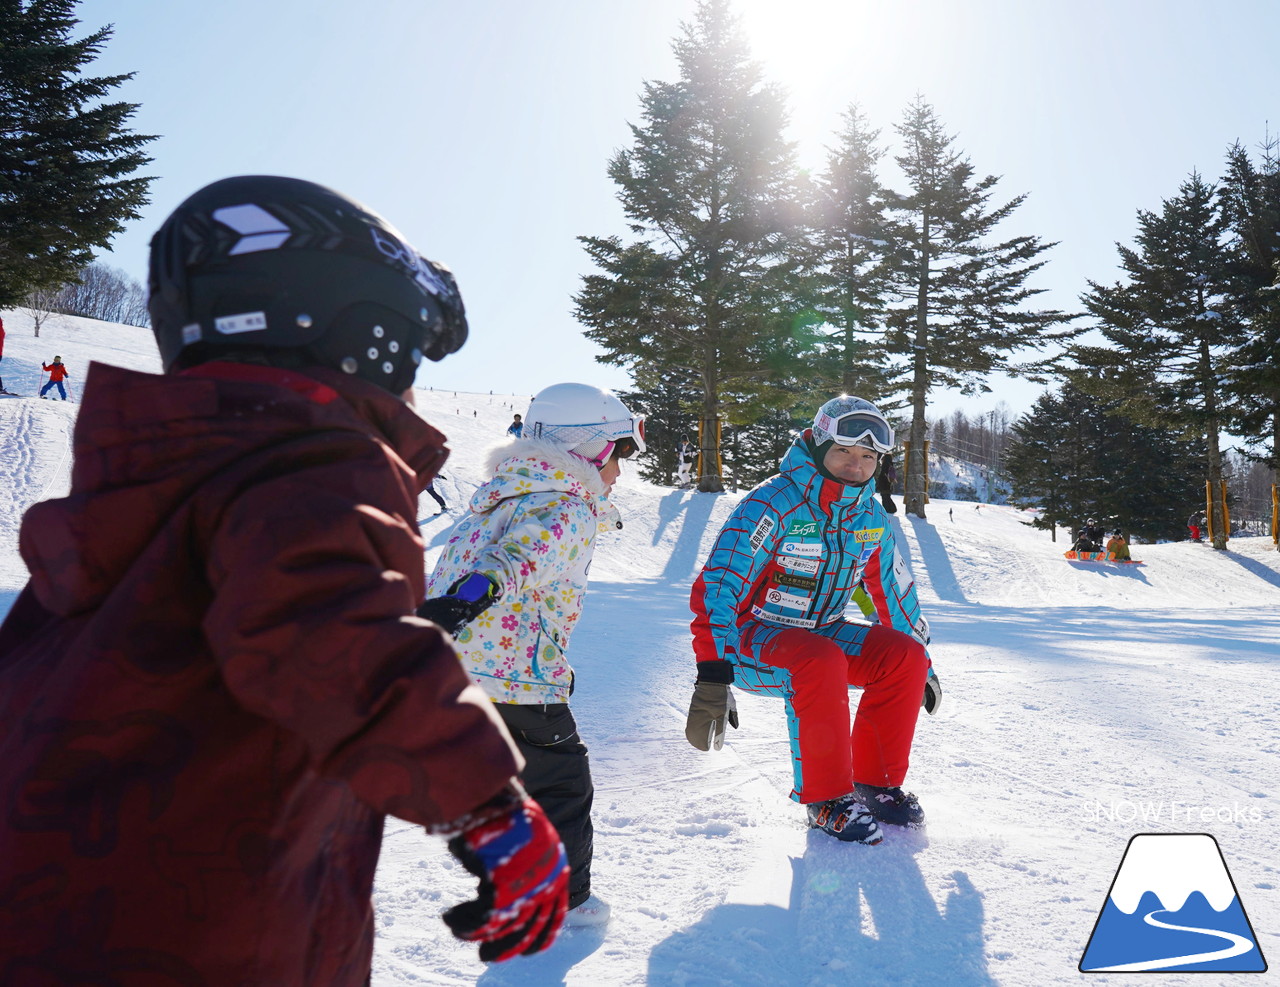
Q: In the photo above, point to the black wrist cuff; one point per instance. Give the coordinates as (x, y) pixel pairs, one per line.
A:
(715, 671)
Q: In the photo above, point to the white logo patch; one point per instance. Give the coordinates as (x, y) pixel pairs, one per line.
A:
(776, 618)
(809, 550)
(808, 566)
(229, 325)
(788, 600)
(763, 530)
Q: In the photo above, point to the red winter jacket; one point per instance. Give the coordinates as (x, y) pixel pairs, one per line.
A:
(56, 371)
(213, 689)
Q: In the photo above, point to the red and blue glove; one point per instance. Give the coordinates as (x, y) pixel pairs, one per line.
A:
(524, 881)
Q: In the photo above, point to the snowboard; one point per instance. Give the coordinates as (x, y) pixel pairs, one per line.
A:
(1074, 556)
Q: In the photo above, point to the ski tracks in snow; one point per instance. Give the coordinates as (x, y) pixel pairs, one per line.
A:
(35, 455)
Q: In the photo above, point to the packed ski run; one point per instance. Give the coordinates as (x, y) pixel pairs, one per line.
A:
(1084, 704)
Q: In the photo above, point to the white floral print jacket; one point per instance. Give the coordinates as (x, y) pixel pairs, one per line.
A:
(532, 528)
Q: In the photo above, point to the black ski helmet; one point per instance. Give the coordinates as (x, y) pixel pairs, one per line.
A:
(268, 263)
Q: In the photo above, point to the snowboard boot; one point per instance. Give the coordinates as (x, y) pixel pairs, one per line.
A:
(845, 818)
(890, 805)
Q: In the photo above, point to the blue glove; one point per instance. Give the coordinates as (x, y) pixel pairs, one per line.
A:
(469, 597)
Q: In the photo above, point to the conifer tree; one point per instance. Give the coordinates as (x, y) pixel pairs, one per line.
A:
(1250, 198)
(1172, 325)
(1076, 456)
(847, 260)
(963, 295)
(66, 157)
(708, 188)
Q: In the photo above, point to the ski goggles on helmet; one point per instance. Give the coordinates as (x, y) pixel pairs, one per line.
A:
(623, 438)
(852, 428)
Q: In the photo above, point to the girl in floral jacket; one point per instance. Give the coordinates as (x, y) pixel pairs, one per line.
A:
(527, 543)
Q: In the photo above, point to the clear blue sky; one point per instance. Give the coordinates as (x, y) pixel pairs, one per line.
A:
(483, 129)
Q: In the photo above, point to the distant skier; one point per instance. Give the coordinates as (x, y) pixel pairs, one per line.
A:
(435, 494)
(1194, 524)
(510, 585)
(685, 453)
(57, 372)
(2, 390)
(769, 618)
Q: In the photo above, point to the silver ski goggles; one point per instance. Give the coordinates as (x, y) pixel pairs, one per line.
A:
(851, 429)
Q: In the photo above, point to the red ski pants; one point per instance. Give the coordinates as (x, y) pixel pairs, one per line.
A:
(811, 670)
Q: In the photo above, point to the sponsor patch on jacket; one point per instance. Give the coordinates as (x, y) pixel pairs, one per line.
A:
(806, 549)
(802, 529)
(798, 582)
(868, 534)
(765, 617)
(763, 530)
(788, 601)
(810, 566)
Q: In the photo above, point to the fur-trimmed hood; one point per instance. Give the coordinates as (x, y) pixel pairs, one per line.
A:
(525, 466)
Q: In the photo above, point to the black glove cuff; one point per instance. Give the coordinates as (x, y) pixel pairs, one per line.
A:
(716, 671)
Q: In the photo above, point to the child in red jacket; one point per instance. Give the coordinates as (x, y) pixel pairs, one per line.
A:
(214, 687)
(57, 372)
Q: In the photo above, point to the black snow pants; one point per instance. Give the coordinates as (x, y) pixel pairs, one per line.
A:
(557, 775)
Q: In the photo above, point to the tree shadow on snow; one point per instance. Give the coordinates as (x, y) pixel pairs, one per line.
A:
(856, 915)
(1256, 568)
(934, 557)
(696, 508)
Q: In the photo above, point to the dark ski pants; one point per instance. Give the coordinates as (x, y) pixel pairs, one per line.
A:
(557, 775)
(54, 383)
(438, 499)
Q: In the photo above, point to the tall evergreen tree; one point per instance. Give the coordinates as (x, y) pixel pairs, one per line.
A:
(1076, 456)
(66, 157)
(1172, 325)
(964, 294)
(708, 186)
(847, 256)
(1250, 197)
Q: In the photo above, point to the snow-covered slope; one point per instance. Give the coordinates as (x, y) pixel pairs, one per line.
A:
(1083, 704)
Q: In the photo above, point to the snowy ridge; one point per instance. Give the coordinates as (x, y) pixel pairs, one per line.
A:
(1082, 705)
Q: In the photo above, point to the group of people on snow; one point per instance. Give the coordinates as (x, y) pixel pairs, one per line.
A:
(1090, 539)
(228, 666)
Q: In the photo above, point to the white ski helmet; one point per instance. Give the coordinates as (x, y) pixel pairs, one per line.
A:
(850, 421)
(589, 422)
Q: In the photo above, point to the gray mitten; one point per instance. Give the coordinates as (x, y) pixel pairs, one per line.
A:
(712, 705)
(932, 693)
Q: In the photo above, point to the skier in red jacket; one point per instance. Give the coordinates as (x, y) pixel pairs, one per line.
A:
(57, 372)
(215, 687)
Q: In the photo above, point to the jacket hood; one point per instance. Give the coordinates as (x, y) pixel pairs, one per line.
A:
(525, 466)
(145, 445)
(798, 465)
